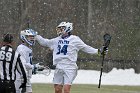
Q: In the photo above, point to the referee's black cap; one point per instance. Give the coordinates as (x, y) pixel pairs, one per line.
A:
(7, 38)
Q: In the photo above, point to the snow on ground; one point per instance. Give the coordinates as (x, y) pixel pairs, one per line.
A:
(114, 77)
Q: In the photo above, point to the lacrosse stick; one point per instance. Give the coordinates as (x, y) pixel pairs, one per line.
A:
(45, 71)
(107, 39)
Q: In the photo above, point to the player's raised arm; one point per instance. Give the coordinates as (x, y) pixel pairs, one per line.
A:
(44, 41)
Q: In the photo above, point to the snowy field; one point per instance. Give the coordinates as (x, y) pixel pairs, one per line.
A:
(114, 77)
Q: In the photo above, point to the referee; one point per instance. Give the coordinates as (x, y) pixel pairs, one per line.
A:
(10, 61)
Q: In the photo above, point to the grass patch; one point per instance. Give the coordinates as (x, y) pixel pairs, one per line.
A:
(85, 88)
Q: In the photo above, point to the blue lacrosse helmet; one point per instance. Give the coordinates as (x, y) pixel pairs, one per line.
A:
(27, 36)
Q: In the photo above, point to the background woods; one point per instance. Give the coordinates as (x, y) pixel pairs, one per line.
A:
(91, 18)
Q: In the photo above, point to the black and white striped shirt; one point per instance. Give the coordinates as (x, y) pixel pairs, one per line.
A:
(10, 61)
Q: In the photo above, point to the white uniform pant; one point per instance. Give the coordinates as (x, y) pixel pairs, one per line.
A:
(18, 82)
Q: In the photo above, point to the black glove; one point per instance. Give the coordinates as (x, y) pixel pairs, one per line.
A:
(103, 50)
(23, 85)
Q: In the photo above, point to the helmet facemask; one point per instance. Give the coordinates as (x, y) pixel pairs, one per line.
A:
(60, 30)
(30, 40)
(64, 28)
(28, 36)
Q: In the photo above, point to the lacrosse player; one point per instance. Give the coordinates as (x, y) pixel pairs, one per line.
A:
(25, 49)
(65, 52)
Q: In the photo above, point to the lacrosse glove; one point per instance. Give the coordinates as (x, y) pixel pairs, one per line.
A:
(103, 51)
(37, 67)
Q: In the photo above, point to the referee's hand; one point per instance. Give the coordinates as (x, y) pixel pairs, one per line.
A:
(23, 85)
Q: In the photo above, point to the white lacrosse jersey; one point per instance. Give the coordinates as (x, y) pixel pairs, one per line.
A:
(26, 53)
(65, 51)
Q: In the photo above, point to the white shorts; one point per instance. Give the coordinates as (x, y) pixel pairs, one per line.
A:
(64, 77)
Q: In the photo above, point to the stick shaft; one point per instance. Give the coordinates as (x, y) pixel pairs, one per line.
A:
(28, 23)
(107, 39)
(101, 72)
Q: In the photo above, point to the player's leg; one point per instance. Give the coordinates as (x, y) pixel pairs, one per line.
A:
(69, 76)
(18, 82)
(67, 88)
(58, 80)
(28, 88)
(58, 88)
(17, 85)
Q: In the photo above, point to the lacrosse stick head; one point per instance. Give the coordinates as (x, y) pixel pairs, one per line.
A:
(45, 71)
(107, 39)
